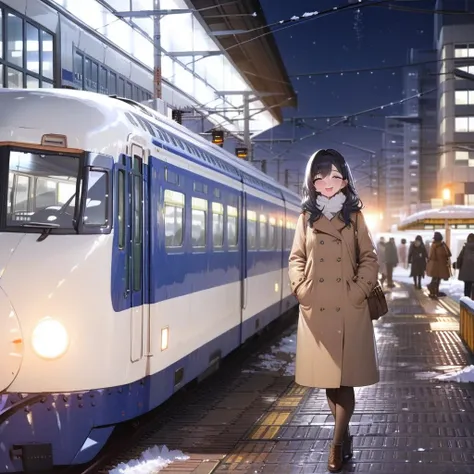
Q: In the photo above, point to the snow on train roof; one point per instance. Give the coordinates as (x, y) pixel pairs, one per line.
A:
(447, 212)
(148, 120)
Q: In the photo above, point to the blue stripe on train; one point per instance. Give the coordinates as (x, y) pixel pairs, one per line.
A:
(177, 272)
(68, 420)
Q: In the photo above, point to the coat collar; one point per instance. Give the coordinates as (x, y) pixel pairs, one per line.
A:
(333, 227)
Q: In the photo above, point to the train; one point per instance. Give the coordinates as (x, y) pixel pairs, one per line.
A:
(135, 255)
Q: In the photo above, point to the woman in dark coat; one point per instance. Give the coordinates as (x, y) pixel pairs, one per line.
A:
(438, 266)
(417, 257)
(465, 264)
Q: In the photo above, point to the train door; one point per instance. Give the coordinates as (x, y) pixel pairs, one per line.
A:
(243, 257)
(137, 261)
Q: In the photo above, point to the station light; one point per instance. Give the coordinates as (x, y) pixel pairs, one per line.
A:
(177, 116)
(242, 153)
(218, 137)
(446, 194)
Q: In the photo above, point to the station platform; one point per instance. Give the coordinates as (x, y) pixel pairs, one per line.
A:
(412, 421)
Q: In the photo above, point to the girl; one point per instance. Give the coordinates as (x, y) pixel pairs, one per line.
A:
(333, 268)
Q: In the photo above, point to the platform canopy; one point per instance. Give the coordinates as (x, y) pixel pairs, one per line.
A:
(452, 216)
(207, 59)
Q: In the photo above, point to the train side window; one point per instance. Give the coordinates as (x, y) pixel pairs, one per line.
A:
(251, 229)
(217, 225)
(263, 230)
(174, 218)
(138, 223)
(232, 226)
(198, 220)
(289, 234)
(95, 213)
(279, 234)
(271, 233)
(121, 208)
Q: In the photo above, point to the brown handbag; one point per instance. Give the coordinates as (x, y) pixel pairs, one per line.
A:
(376, 300)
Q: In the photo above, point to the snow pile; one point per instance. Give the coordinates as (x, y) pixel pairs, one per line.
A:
(280, 358)
(151, 461)
(463, 376)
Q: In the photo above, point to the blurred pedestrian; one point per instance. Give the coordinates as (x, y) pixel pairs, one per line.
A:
(381, 259)
(417, 257)
(438, 266)
(465, 265)
(391, 260)
(403, 253)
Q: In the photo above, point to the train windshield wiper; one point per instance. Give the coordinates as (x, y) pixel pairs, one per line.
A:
(46, 226)
(41, 225)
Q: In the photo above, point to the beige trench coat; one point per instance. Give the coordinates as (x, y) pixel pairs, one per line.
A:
(335, 340)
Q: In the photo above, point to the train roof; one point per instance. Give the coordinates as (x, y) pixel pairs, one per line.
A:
(94, 116)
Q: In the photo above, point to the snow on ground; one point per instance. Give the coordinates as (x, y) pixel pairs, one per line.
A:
(464, 375)
(280, 358)
(151, 461)
(453, 287)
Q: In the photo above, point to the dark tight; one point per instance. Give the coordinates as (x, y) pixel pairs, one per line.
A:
(341, 403)
(434, 286)
(468, 289)
(417, 281)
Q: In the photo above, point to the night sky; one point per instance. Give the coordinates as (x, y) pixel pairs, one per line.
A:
(372, 37)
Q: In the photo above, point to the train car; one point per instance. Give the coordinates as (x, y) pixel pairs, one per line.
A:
(134, 256)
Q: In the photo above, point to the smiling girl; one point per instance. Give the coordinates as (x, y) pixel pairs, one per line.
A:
(333, 268)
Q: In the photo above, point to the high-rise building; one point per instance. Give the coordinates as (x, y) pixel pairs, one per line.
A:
(454, 35)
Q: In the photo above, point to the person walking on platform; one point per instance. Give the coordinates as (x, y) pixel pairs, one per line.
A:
(403, 253)
(381, 257)
(417, 257)
(465, 265)
(333, 268)
(438, 266)
(391, 260)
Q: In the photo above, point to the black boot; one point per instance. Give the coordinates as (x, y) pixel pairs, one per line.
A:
(347, 450)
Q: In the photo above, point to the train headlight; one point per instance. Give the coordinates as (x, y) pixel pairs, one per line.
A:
(50, 339)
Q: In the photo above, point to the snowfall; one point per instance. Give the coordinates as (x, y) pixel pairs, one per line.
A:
(280, 358)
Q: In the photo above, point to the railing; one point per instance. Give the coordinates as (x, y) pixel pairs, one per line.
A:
(466, 323)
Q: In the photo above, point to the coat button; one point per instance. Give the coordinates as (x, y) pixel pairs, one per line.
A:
(301, 279)
(338, 309)
(321, 242)
(321, 309)
(321, 259)
(338, 280)
(339, 259)
(321, 280)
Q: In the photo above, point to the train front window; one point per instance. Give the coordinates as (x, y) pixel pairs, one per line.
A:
(41, 190)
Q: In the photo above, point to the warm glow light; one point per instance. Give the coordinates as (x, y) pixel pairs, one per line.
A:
(165, 338)
(372, 221)
(446, 194)
(50, 339)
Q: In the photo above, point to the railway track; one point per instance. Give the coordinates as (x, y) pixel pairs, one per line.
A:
(130, 439)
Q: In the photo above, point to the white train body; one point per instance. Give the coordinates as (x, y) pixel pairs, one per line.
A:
(133, 256)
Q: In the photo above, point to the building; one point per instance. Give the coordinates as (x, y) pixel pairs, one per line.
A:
(393, 170)
(455, 44)
(109, 46)
(420, 131)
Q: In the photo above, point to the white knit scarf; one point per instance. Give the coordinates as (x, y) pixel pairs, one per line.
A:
(331, 206)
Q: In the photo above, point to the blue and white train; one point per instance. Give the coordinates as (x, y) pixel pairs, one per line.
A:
(134, 255)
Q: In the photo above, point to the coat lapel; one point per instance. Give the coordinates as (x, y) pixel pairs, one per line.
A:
(326, 226)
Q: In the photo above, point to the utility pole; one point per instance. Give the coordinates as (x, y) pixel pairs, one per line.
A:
(157, 91)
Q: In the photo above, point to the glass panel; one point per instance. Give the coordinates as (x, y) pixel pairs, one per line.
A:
(217, 230)
(47, 55)
(87, 72)
(103, 80)
(47, 85)
(32, 48)
(198, 233)
(95, 213)
(1, 35)
(14, 78)
(32, 82)
(43, 190)
(121, 87)
(94, 76)
(112, 83)
(15, 40)
(128, 90)
(121, 208)
(173, 226)
(79, 70)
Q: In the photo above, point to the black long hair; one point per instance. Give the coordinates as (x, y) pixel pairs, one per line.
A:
(321, 162)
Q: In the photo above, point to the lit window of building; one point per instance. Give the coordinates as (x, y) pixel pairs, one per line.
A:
(464, 124)
(464, 97)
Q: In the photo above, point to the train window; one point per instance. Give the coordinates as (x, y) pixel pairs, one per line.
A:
(217, 224)
(103, 80)
(263, 230)
(290, 231)
(251, 229)
(112, 83)
(41, 189)
(272, 233)
(198, 218)
(171, 176)
(232, 226)
(174, 218)
(137, 228)
(217, 193)
(95, 213)
(279, 234)
(121, 208)
(200, 187)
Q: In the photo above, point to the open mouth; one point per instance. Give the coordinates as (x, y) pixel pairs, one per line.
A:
(329, 189)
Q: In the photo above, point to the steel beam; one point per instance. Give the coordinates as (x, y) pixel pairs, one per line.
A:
(157, 12)
(178, 54)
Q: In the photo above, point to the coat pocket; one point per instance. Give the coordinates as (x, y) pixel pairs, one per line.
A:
(355, 295)
(303, 294)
